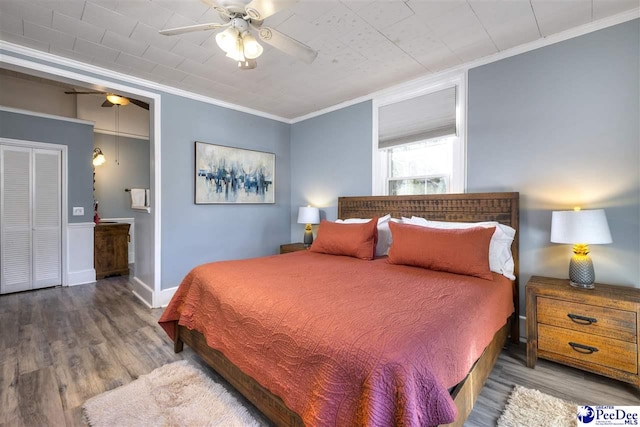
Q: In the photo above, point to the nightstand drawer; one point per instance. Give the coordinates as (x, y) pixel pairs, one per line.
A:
(292, 247)
(604, 351)
(591, 319)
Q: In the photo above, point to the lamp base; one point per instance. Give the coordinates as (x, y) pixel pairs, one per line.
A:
(582, 285)
(308, 236)
(581, 274)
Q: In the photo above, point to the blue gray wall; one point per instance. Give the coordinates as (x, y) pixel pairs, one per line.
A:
(560, 125)
(77, 136)
(131, 171)
(330, 157)
(194, 234)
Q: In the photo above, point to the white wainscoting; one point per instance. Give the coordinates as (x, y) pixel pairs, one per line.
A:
(80, 253)
(132, 239)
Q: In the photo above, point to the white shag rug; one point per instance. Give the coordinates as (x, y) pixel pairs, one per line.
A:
(531, 408)
(177, 394)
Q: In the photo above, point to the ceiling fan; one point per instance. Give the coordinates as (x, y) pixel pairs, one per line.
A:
(242, 16)
(113, 99)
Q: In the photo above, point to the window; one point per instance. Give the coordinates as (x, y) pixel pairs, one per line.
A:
(419, 143)
(423, 167)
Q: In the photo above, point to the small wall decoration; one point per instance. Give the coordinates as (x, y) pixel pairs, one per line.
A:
(233, 175)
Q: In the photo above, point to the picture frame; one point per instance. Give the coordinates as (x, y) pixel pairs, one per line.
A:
(231, 175)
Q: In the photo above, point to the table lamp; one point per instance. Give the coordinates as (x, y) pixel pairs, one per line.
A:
(580, 228)
(308, 215)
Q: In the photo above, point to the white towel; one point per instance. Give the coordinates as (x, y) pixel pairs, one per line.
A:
(138, 198)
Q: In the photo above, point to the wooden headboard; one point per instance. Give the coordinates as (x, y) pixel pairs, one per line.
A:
(470, 207)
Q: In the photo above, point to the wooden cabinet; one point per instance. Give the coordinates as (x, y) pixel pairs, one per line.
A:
(292, 247)
(111, 253)
(591, 329)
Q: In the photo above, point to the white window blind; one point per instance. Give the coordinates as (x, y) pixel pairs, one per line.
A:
(424, 117)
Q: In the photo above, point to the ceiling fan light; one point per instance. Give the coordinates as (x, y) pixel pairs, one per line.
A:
(237, 53)
(249, 64)
(227, 39)
(117, 100)
(236, 56)
(252, 49)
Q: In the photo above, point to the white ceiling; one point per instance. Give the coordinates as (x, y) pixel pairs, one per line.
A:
(364, 45)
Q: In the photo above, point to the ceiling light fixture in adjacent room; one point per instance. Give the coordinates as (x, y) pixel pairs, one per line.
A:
(98, 157)
(117, 100)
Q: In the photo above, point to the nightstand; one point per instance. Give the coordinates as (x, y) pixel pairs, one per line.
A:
(292, 247)
(591, 329)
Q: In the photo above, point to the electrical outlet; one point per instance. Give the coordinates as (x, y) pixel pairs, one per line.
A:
(78, 211)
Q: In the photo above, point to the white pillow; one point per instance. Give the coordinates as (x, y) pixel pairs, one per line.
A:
(500, 257)
(384, 233)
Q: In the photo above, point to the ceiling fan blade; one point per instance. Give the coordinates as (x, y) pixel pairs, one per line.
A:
(84, 93)
(287, 44)
(221, 9)
(259, 10)
(139, 103)
(191, 28)
(106, 103)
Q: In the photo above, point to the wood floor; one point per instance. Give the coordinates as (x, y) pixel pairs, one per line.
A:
(61, 346)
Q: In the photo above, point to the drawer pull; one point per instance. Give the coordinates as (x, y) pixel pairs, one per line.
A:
(581, 348)
(581, 320)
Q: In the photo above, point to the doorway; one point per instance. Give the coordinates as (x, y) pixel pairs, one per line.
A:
(146, 282)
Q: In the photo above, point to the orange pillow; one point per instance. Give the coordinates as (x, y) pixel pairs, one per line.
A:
(355, 240)
(461, 251)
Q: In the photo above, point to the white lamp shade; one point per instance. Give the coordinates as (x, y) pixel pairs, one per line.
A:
(252, 49)
(589, 227)
(228, 39)
(236, 55)
(308, 215)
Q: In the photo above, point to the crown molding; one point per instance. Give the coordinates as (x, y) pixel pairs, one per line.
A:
(46, 116)
(420, 83)
(103, 72)
(123, 134)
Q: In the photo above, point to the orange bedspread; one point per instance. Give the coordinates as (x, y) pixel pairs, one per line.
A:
(345, 341)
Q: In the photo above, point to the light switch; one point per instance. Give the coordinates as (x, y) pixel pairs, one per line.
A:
(78, 211)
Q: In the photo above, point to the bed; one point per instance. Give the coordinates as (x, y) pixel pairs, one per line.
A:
(257, 362)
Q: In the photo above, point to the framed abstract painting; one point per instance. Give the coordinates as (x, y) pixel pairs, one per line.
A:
(233, 175)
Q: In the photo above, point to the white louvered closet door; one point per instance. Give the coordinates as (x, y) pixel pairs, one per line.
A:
(30, 217)
(16, 219)
(46, 225)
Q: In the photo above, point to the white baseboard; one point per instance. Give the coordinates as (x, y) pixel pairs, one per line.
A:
(81, 277)
(164, 297)
(148, 297)
(142, 291)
